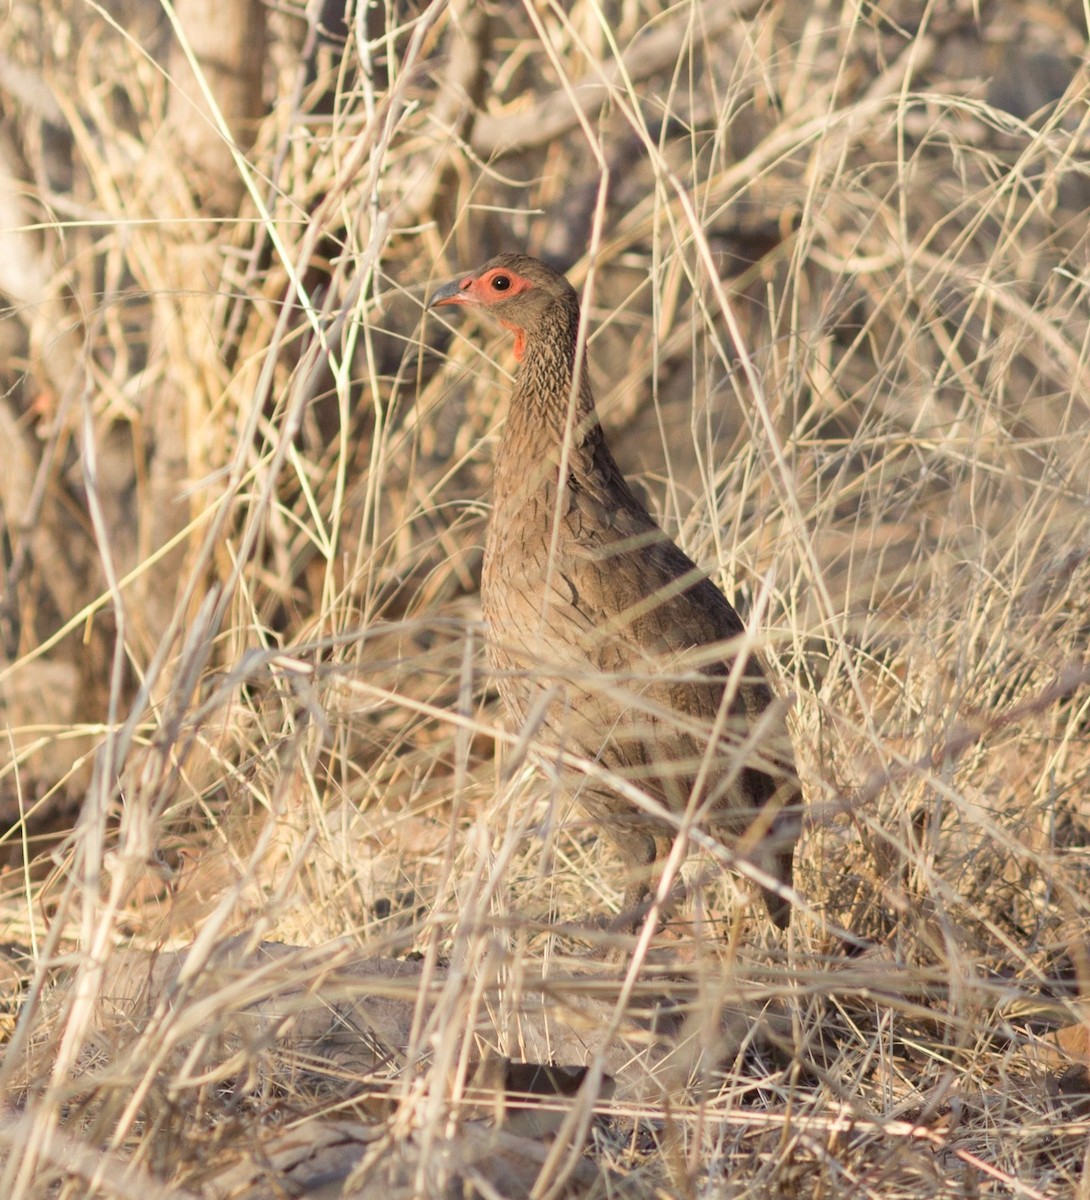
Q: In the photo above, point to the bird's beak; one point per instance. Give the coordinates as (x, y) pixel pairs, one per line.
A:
(449, 293)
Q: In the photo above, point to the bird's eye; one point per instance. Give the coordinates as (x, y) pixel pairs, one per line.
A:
(500, 283)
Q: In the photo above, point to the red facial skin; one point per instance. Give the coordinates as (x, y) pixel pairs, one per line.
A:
(480, 291)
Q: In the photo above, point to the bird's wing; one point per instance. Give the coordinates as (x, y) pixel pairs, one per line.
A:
(630, 575)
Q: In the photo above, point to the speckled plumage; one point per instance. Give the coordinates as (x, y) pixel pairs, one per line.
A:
(601, 629)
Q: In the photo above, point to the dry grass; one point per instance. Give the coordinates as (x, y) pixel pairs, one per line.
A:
(836, 267)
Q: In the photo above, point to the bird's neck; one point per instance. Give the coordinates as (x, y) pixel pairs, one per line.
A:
(552, 403)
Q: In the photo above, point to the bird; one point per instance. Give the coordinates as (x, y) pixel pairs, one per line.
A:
(602, 634)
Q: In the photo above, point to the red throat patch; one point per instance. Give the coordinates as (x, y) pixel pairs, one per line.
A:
(520, 339)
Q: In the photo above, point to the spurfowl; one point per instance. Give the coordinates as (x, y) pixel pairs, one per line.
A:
(601, 631)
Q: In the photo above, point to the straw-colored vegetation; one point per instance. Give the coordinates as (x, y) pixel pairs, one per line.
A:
(836, 262)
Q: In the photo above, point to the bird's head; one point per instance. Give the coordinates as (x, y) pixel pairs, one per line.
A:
(521, 293)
